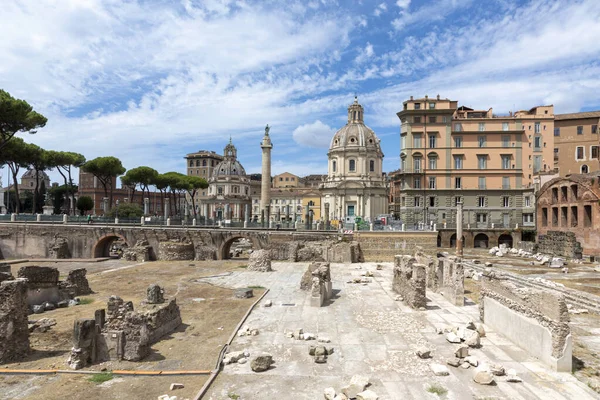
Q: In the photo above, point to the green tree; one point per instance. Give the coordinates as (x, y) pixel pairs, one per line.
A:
(176, 186)
(126, 210)
(39, 163)
(143, 176)
(17, 154)
(60, 197)
(128, 182)
(17, 116)
(63, 161)
(191, 185)
(84, 204)
(105, 169)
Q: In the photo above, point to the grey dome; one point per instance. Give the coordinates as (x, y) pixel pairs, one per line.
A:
(355, 135)
(229, 168)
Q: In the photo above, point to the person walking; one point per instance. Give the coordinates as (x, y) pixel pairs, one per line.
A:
(89, 219)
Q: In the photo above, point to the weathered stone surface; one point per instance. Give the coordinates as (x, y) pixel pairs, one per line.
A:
(535, 320)
(483, 376)
(497, 370)
(262, 363)
(83, 352)
(141, 251)
(58, 248)
(447, 277)
(410, 281)
(358, 384)
(172, 251)
(511, 376)
(155, 294)
(76, 283)
(423, 352)
(462, 352)
(39, 277)
(439, 369)
(455, 362)
(329, 393)
(367, 395)
(204, 253)
(472, 340)
(243, 293)
(560, 244)
(14, 332)
(452, 337)
(260, 260)
(6, 276)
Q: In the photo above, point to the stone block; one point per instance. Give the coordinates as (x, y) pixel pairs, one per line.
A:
(410, 281)
(155, 294)
(260, 260)
(14, 329)
(243, 293)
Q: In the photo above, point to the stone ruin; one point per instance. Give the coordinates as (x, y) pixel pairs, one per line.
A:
(205, 253)
(450, 280)
(317, 279)
(410, 281)
(445, 275)
(46, 292)
(535, 320)
(125, 334)
(155, 294)
(13, 320)
(76, 283)
(260, 260)
(326, 250)
(175, 251)
(58, 248)
(5, 274)
(142, 252)
(559, 243)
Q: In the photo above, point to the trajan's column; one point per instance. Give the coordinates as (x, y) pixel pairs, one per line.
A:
(265, 186)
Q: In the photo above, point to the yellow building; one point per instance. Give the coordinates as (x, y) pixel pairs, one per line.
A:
(487, 161)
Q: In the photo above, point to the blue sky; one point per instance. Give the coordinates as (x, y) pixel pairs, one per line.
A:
(149, 81)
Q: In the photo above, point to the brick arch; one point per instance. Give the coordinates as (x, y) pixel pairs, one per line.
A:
(102, 245)
(223, 253)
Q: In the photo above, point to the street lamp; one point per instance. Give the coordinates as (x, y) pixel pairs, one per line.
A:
(117, 211)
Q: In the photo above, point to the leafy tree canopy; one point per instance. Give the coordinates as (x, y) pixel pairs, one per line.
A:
(17, 116)
(126, 210)
(85, 203)
(104, 167)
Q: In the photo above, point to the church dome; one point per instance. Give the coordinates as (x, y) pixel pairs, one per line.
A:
(355, 134)
(30, 174)
(230, 166)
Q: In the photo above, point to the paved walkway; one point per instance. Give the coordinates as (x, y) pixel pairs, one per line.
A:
(372, 335)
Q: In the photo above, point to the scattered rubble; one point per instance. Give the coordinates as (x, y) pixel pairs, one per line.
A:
(320, 353)
(439, 369)
(262, 363)
(358, 384)
(260, 260)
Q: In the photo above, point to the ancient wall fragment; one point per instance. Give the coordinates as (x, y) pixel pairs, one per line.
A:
(14, 332)
(410, 281)
(260, 260)
(535, 320)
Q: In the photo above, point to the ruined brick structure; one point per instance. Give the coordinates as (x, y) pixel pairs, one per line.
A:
(570, 205)
(535, 320)
(76, 283)
(142, 252)
(317, 280)
(14, 333)
(450, 280)
(410, 281)
(59, 248)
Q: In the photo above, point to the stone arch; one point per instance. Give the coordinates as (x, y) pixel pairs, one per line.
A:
(481, 240)
(102, 246)
(439, 240)
(453, 240)
(506, 239)
(223, 253)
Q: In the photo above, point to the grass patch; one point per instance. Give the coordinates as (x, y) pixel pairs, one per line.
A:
(233, 396)
(256, 287)
(86, 300)
(101, 377)
(436, 388)
(242, 266)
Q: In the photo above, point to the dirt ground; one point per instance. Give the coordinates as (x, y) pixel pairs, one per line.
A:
(209, 316)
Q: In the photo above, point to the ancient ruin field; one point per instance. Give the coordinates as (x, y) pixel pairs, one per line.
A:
(209, 315)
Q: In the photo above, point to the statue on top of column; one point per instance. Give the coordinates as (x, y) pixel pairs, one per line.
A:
(267, 129)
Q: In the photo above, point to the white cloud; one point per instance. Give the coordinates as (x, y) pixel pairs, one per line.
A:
(316, 135)
(403, 4)
(380, 9)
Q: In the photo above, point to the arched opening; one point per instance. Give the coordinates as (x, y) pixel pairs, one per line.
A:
(453, 240)
(238, 248)
(506, 239)
(481, 241)
(111, 245)
(439, 241)
(584, 169)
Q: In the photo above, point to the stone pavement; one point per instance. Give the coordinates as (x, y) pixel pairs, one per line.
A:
(372, 335)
